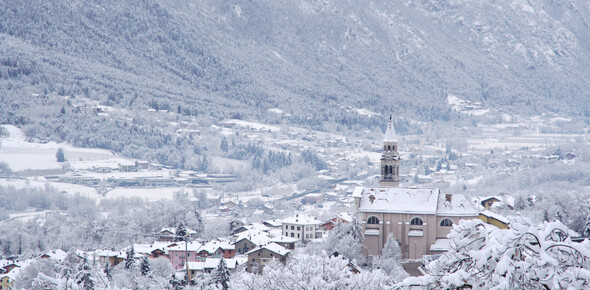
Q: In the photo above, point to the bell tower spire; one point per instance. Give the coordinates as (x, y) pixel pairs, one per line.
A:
(390, 158)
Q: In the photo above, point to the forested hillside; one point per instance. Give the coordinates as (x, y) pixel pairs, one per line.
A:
(211, 60)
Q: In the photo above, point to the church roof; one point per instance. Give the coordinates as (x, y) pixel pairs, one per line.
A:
(399, 200)
(414, 200)
(390, 135)
(458, 205)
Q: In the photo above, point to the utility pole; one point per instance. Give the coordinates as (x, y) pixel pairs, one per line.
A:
(188, 272)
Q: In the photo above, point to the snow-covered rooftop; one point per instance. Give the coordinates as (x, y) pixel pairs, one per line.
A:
(458, 205)
(495, 216)
(212, 263)
(273, 247)
(192, 246)
(301, 219)
(57, 255)
(283, 239)
(399, 200)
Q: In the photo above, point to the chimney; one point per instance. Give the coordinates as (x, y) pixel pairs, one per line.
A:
(448, 197)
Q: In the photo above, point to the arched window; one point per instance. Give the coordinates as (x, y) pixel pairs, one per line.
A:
(373, 220)
(416, 221)
(389, 147)
(446, 223)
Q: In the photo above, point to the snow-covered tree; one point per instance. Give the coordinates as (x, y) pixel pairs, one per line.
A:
(130, 259)
(522, 257)
(389, 261)
(180, 232)
(346, 239)
(84, 277)
(145, 266)
(221, 274)
(175, 283)
(304, 271)
(586, 232)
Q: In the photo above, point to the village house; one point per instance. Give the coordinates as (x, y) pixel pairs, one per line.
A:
(169, 234)
(272, 224)
(418, 218)
(210, 264)
(329, 224)
(250, 240)
(181, 253)
(286, 242)
(494, 219)
(302, 227)
(262, 255)
(5, 282)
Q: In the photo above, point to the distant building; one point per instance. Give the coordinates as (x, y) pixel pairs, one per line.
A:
(262, 255)
(312, 198)
(488, 202)
(331, 223)
(417, 217)
(5, 282)
(494, 219)
(302, 227)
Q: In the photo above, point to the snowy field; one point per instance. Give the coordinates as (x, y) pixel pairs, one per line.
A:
(21, 155)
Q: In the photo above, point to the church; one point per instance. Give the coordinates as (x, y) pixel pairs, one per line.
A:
(418, 218)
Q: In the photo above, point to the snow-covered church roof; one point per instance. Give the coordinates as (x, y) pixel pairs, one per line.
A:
(399, 200)
(390, 135)
(413, 200)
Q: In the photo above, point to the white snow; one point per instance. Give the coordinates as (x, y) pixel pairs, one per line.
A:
(399, 200)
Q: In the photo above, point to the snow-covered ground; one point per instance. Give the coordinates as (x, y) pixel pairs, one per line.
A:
(21, 155)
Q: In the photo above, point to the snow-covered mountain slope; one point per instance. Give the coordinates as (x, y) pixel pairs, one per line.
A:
(382, 55)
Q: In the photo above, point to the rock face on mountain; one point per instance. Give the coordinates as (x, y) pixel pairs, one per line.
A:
(305, 57)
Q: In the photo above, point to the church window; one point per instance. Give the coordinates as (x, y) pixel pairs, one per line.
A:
(446, 223)
(416, 221)
(373, 220)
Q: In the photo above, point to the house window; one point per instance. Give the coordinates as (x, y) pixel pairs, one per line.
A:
(373, 220)
(292, 235)
(297, 235)
(292, 227)
(298, 228)
(286, 227)
(286, 234)
(446, 223)
(416, 221)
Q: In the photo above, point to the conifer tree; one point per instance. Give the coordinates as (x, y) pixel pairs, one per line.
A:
(130, 260)
(107, 271)
(84, 277)
(224, 146)
(145, 266)
(60, 156)
(175, 282)
(222, 274)
(180, 232)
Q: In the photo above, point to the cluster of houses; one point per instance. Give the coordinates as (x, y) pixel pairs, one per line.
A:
(251, 245)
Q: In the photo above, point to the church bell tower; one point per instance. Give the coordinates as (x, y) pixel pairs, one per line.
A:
(390, 158)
